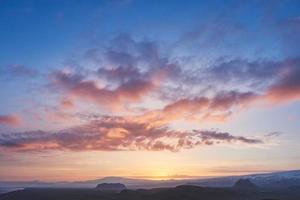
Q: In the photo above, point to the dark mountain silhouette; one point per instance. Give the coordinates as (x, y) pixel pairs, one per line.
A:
(182, 192)
(178, 193)
(187, 192)
(244, 184)
(111, 187)
(278, 180)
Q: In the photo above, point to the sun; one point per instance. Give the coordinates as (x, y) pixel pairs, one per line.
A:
(160, 174)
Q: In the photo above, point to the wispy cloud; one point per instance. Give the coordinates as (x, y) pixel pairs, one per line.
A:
(17, 71)
(278, 80)
(242, 169)
(117, 134)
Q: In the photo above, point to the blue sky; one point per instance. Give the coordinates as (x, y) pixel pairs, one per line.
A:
(166, 79)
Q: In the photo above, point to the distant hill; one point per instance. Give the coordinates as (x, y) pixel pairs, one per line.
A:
(110, 187)
(267, 180)
(244, 184)
(182, 192)
(283, 179)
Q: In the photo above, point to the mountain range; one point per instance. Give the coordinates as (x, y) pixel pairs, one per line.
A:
(282, 179)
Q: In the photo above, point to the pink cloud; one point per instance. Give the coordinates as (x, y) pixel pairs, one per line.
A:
(287, 88)
(201, 109)
(117, 134)
(148, 131)
(66, 104)
(131, 91)
(11, 120)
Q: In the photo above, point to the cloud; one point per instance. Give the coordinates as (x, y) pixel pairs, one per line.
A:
(133, 70)
(76, 87)
(287, 88)
(201, 109)
(241, 169)
(280, 79)
(119, 74)
(148, 131)
(130, 71)
(274, 134)
(128, 58)
(117, 134)
(11, 120)
(17, 71)
(66, 104)
(239, 70)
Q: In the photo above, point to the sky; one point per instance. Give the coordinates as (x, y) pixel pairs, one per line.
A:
(149, 89)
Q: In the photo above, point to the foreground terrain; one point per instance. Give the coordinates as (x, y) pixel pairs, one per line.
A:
(183, 192)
